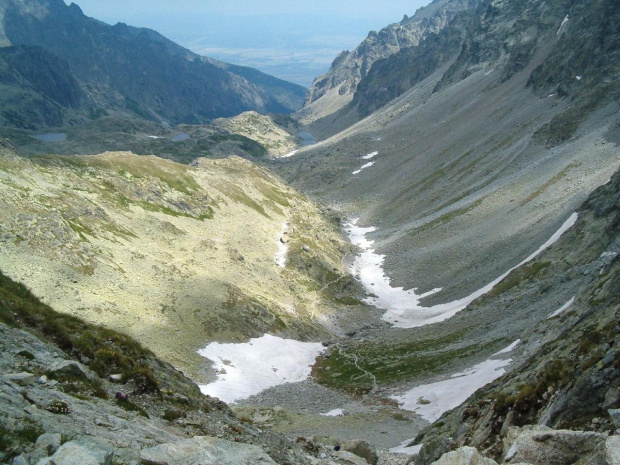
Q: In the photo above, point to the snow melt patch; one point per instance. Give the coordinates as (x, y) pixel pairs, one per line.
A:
(562, 308)
(363, 167)
(337, 412)
(402, 448)
(402, 306)
(248, 368)
(430, 401)
(280, 256)
(290, 154)
(510, 348)
(564, 21)
(370, 155)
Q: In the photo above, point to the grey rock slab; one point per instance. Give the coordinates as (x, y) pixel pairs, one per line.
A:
(348, 458)
(554, 447)
(82, 451)
(362, 449)
(21, 379)
(70, 368)
(204, 450)
(464, 456)
(612, 450)
(614, 413)
(49, 440)
(21, 460)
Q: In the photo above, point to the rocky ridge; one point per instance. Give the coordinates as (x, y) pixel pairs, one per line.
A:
(336, 88)
(53, 50)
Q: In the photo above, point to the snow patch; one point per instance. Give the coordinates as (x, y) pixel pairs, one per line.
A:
(510, 348)
(155, 137)
(402, 306)
(337, 412)
(578, 78)
(248, 368)
(452, 392)
(370, 155)
(280, 256)
(403, 449)
(363, 167)
(564, 21)
(290, 154)
(562, 308)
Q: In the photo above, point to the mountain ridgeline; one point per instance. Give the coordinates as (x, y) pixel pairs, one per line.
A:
(336, 88)
(472, 151)
(572, 46)
(60, 67)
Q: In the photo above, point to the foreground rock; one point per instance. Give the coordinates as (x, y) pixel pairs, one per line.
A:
(55, 410)
(201, 450)
(545, 446)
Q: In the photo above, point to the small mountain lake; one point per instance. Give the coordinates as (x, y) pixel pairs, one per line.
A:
(51, 137)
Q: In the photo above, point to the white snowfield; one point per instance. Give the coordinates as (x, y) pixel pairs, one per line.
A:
(402, 307)
(290, 154)
(280, 256)
(432, 400)
(248, 368)
(562, 308)
(564, 21)
(337, 412)
(370, 155)
(363, 167)
(403, 449)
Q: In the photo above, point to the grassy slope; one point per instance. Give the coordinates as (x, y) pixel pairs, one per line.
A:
(156, 249)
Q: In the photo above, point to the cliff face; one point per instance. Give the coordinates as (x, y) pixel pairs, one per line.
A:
(568, 47)
(336, 88)
(131, 70)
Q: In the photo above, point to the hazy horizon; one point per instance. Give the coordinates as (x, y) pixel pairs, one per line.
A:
(277, 37)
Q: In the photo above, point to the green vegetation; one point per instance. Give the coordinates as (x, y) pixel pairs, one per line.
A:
(173, 414)
(238, 195)
(58, 407)
(128, 405)
(528, 398)
(522, 274)
(447, 217)
(273, 193)
(562, 127)
(250, 146)
(16, 439)
(349, 368)
(551, 182)
(153, 207)
(110, 352)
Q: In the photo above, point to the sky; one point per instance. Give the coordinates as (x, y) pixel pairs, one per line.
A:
(289, 39)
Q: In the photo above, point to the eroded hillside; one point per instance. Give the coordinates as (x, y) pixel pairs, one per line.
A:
(174, 255)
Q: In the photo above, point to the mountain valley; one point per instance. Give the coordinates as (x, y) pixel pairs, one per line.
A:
(433, 280)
